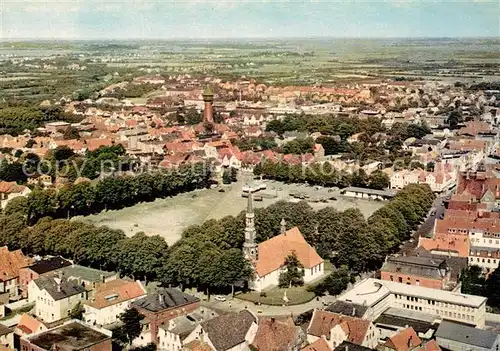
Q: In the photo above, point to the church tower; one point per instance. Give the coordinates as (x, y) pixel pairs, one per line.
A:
(250, 247)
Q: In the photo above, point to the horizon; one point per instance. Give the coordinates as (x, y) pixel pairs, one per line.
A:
(247, 19)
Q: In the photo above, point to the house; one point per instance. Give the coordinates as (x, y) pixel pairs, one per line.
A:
(85, 276)
(349, 346)
(276, 335)
(6, 336)
(73, 335)
(381, 294)
(404, 340)
(39, 268)
(318, 345)
(11, 190)
(162, 306)
(110, 300)
(455, 336)
(228, 332)
(11, 263)
(29, 325)
(348, 308)
(54, 297)
(171, 335)
(413, 270)
(336, 328)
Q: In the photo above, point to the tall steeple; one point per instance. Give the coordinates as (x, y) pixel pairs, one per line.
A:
(250, 247)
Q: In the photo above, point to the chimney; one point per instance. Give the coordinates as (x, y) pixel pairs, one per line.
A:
(354, 311)
(160, 299)
(346, 348)
(409, 342)
(102, 278)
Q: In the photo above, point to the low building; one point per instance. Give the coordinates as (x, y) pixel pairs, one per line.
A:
(54, 298)
(420, 271)
(162, 306)
(85, 276)
(39, 268)
(319, 345)
(11, 190)
(379, 295)
(11, 263)
(73, 335)
(229, 332)
(369, 194)
(396, 319)
(455, 336)
(273, 334)
(171, 335)
(29, 325)
(336, 328)
(110, 300)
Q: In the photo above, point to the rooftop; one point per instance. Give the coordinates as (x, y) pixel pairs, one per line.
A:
(466, 335)
(73, 335)
(165, 299)
(229, 330)
(370, 291)
(49, 264)
(387, 193)
(59, 289)
(347, 308)
(116, 291)
(84, 273)
(183, 325)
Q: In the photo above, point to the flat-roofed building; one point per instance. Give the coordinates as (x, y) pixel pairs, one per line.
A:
(379, 295)
(73, 335)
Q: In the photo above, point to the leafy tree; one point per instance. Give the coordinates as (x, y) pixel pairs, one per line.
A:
(131, 327)
(193, 116)
(378, 180)
(77, 311)
(148, 347)
(30, 143)
(492, 289)
(71, 133)
(61, 153)
(226, 177)
(12, 171)
(335, 283)
(472, 280)
(293, 275)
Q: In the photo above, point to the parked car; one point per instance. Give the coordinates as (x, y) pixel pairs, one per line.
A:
(220, 298)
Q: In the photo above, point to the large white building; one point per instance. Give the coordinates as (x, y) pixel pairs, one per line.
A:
(268, 257)
(54, 298)
(443, 177)
(484, 249)
(110, 300)
(379, 295)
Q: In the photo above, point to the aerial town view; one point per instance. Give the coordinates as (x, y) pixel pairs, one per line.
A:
(272, 175)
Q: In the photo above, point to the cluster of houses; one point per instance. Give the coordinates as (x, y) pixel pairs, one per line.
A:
(374, 315)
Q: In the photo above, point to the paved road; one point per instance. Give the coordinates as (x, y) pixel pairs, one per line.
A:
(425, 228)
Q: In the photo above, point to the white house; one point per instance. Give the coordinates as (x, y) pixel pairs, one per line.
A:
(110, 300)
(54, 298)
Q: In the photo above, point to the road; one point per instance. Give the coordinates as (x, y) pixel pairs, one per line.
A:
(425, 228)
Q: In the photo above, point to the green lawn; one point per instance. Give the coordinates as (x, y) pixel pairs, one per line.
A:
(274, 296)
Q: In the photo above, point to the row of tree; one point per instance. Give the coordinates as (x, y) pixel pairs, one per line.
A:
(474, 282)
(323, 174)
(210, 255)
(115, 192)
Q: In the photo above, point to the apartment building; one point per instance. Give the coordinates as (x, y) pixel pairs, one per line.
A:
(379, 295)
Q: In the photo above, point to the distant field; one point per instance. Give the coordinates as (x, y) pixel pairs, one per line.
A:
(169, 217)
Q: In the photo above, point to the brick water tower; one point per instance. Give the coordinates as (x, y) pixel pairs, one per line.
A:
(208, 98)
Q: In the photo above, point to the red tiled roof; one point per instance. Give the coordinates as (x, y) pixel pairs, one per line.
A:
(274, 335)
(273, 252)
(406, 340)
(318, 345)
(323, 322)
(30, 325)
(452, 243)
(94, 144)
(11, 262)
(116, 291)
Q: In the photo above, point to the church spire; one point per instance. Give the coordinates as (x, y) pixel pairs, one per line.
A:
(250, 247)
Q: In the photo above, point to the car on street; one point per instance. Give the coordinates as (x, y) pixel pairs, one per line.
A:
(220, 298)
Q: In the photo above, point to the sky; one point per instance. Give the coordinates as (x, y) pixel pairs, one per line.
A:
(177, 19)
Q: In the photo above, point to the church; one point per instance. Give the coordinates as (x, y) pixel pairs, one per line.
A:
(268, 257)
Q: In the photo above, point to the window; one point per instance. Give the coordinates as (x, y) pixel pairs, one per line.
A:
(400, 279)
(392, 279)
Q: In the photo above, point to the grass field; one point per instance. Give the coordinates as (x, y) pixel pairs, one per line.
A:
(169, 217)
(274, 297)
